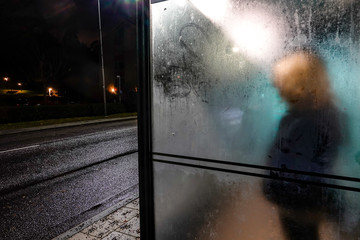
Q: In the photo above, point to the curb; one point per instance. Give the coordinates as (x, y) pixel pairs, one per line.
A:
(71, 232)
(70, 124)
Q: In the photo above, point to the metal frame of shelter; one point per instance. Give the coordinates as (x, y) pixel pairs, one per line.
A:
(147, 226)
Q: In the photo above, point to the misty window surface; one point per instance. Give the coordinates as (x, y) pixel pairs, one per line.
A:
(195, 203)
(214, 70)
(266, 85)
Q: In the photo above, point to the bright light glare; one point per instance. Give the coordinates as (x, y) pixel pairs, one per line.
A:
(256, 31)
(215, 10)
(19, 84)
(181, 3)
(256, 34)
(6, 79)
(252, 36)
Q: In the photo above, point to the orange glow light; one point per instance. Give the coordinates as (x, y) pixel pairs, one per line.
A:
(112, 89)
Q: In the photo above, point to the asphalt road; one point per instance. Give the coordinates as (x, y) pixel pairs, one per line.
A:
(52, 180)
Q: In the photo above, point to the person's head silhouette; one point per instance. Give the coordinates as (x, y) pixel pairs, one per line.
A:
(302, 80)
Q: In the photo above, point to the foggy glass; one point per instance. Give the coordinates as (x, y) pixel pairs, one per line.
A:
(215, 96)
(211, 205)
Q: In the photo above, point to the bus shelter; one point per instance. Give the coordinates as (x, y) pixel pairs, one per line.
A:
(249, 119)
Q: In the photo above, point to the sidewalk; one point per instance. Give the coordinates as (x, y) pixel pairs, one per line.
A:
(113, 224)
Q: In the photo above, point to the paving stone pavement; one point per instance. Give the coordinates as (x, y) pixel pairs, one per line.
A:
(123, 224)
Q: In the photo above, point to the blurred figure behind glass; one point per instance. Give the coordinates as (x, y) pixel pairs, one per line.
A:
(307, 140)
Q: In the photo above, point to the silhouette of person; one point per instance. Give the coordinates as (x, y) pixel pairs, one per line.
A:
(307, 140)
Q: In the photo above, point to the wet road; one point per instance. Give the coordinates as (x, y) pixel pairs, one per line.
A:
(52, 180)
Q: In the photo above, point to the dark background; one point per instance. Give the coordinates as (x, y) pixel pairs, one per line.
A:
(55, 44)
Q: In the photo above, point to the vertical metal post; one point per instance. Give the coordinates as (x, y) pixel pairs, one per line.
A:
(147, 225)
(119, 80)
(102, 58)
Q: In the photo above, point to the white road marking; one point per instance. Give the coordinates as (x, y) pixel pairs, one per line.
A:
(17, 149)
(69, 138)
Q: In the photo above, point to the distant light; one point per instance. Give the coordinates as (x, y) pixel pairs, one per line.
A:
(6, 79)
(113, 90)
(19, 84)
(235, 49)
(50, 89)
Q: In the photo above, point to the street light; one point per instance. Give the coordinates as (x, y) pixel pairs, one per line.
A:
(119, 80)
(6, 79)
(50, 89)
(102, 58)
(20, 85)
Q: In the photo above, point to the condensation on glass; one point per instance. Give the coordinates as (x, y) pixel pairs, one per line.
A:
(193, 203)
(254, 93)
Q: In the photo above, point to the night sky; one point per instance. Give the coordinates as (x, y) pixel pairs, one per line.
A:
(82, 15)
(57, 42)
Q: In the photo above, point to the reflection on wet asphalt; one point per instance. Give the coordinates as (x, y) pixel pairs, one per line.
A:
(88, 174)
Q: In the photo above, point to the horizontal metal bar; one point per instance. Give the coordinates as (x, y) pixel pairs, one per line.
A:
(330, 176)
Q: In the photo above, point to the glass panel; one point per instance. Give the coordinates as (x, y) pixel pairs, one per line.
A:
(258, 82)
(200, 204)
(266, 89)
